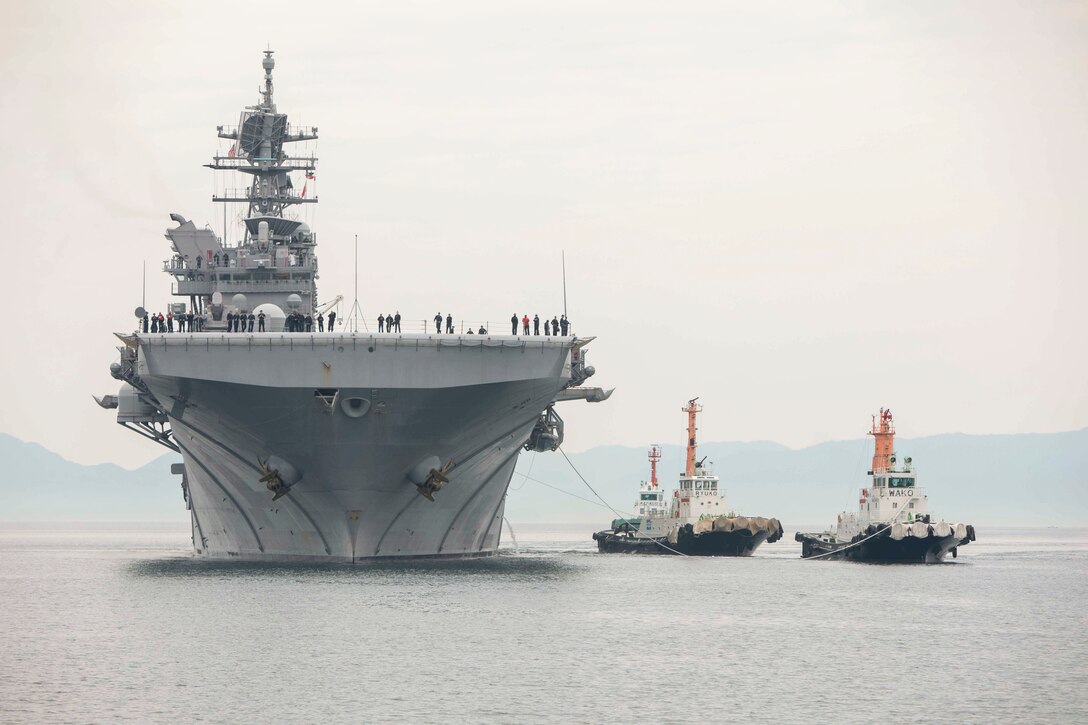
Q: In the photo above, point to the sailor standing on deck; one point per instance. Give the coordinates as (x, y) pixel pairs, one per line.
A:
(252, 319)
(332, 320)
(555, 327)
(381, 323)
(396, 321)
(438, 323)
(525, 324)
(514, 324)
(449, 324)
(536, 324)
(564, 323)
(169, 321)
(320, 322)
(309, 322)
(260, 321)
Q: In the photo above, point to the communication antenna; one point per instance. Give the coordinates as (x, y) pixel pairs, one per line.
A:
(143, 296)
(356, 312)
(564, 283)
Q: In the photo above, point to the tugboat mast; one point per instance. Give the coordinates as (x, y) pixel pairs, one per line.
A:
(692, 410)
(884, 433)
(654, 455)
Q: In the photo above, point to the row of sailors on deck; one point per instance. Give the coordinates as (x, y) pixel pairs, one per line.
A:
(391, 323)
(298, 322)
(294, 322)
(558, 325)
(186, 322)
(214, 260)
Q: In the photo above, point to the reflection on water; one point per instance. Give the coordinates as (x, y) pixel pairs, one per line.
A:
(502, 566)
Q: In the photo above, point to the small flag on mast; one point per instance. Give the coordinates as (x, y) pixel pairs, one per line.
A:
(233, 150)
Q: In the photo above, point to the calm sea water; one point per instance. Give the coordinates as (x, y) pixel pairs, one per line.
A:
(112, 624)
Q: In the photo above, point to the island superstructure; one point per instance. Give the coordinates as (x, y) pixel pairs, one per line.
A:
(697, 519)
(893, 522)
(322, 446)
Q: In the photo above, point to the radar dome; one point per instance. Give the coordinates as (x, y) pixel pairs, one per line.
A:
(294, 301)
(239, 300)
(273, 317)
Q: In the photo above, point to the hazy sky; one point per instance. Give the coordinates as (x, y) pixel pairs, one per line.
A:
(797, 211)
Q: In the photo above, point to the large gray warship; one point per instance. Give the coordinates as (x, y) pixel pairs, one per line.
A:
(327, 446)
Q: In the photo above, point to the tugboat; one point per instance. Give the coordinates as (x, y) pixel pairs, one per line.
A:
(696, 522)
(893, 523)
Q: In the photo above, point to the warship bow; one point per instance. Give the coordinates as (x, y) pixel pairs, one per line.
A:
(327, 445)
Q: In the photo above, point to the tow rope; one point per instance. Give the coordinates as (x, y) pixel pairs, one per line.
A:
(618, 514)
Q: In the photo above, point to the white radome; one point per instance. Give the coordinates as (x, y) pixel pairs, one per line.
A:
(273, 317)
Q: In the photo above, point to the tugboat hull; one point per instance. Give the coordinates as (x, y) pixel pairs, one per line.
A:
(881, 548)
(688, 542)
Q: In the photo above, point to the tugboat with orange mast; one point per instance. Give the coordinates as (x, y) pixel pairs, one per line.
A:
(893, 523)
(696, 522)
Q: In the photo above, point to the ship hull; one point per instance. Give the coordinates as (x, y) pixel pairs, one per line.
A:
(351, 495)
(881, 548)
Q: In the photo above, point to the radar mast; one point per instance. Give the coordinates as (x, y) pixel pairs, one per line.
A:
(258, 150)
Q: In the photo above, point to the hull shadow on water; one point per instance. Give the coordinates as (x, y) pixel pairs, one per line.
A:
(512, 566)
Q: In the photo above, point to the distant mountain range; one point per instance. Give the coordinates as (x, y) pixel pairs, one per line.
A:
(38, 485)
(1025, 479)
